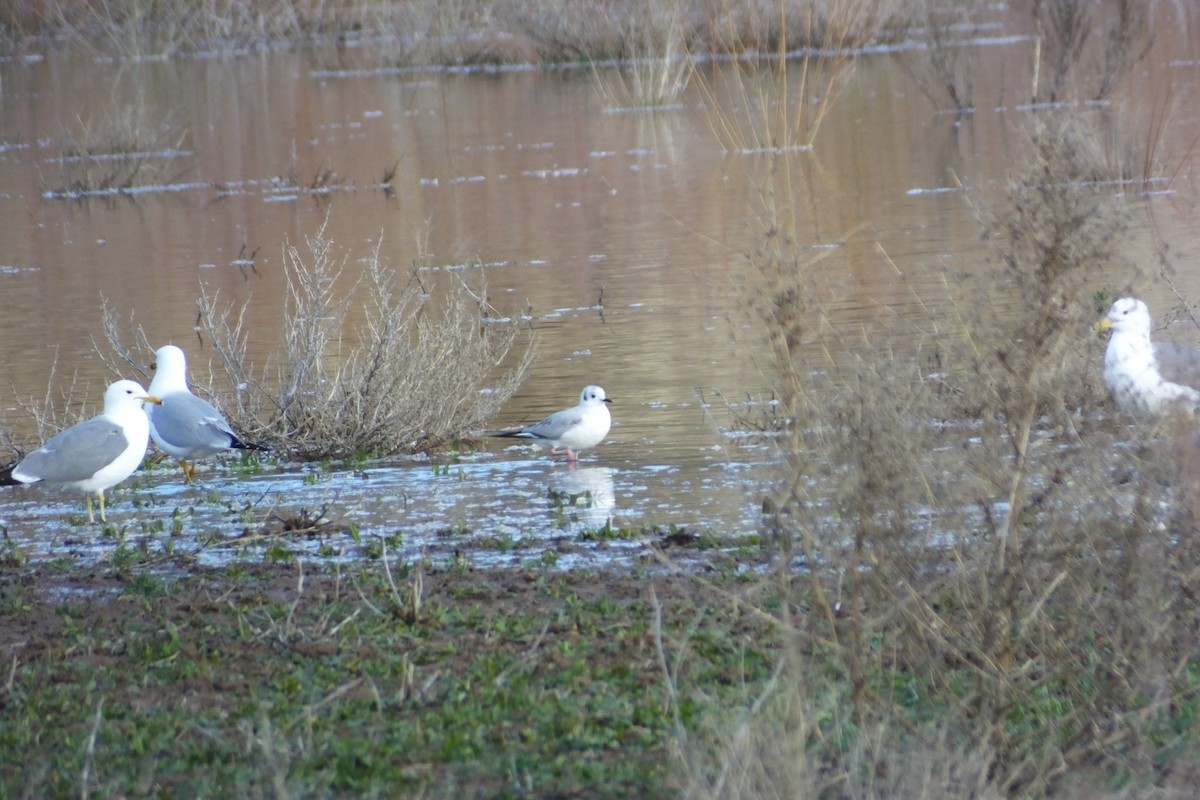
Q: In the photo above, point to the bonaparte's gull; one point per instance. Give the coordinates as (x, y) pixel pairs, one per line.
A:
(571, 430)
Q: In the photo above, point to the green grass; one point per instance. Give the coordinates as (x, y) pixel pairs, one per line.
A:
(259, 680)
(504, 685)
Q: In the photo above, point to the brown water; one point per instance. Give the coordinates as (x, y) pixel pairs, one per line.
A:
(621, 231)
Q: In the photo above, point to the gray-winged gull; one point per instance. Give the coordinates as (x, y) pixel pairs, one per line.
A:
(1147, 378)
(571, 430)
(96, 454)
(184, 425)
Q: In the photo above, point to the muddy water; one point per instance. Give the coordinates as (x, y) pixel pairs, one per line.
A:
(620, 232)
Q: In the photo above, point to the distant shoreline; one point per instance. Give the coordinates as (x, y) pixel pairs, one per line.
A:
(427, 32)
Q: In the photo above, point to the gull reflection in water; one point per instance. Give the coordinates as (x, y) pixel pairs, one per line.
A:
(584, 494)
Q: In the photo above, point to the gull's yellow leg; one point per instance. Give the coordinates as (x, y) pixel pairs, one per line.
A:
(91, 519)
(189, 471)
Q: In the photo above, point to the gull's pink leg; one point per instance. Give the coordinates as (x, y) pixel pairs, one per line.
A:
(571, 455)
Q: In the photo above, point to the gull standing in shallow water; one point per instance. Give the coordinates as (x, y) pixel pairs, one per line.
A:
(1147, 378)
(94, 455)
(183, 425)
(571, 430)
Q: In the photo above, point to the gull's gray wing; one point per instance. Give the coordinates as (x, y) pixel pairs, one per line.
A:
(76, 454)
(558, 423)
(1178, 363)
(186, 421)
(551, 428)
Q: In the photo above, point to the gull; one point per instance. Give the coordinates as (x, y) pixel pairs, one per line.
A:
(1147, 378)
(184, 425)
(96, 454)
(571, 430)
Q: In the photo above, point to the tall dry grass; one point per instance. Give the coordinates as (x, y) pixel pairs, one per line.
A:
(62, 405)
(655, 48)
(1078, 43)
(654, 66)
(134, 30)
(432, 32)
(983, 587)
(781, 100)
(372, 364)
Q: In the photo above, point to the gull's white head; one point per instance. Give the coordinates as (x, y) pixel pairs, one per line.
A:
(170, 371)
(1128, 315)
(124, 395)
(592, 395)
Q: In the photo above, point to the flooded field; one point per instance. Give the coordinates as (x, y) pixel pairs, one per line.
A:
(624, 236)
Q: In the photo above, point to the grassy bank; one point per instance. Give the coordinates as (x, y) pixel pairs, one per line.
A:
(421, 680)
(286, 681)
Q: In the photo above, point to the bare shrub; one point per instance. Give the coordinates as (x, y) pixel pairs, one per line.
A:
(413, 375)
(1082, 49)
(1069, 63)
(1029, 591)
(969, 559)
(944, 68)
(460, 33)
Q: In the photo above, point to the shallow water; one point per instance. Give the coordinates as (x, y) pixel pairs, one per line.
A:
(621, 232)
(483, 510)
